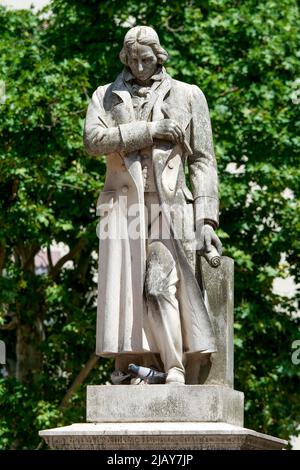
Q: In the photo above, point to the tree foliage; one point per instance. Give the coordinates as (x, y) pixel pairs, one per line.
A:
(244, 56)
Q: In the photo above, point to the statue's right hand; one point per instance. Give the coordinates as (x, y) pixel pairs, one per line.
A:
(166, 129)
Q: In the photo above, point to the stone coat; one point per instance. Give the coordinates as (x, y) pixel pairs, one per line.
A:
(111, 129)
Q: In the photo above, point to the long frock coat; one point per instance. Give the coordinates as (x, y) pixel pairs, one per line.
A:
(112, 129)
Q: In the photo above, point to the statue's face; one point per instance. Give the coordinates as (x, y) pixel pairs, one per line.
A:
(142, 61)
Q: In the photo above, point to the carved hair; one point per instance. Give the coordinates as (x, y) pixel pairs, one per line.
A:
(145, 36)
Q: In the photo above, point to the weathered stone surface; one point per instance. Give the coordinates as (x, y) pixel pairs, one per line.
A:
(219, 286)
(163, 403)
(159, 436)
(150, 127)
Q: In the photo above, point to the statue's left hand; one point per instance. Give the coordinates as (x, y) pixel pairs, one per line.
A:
(208, 238)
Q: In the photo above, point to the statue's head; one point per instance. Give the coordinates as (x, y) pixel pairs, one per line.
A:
(142, 52)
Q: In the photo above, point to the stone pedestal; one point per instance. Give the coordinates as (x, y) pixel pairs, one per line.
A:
(158, 436)
(164, 403)
(173, 417)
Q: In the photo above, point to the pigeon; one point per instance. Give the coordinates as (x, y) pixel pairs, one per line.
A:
(149, 376)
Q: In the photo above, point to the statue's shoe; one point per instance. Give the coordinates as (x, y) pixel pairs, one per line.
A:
(175, 376)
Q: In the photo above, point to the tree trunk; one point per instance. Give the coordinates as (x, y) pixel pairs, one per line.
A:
(28, 351)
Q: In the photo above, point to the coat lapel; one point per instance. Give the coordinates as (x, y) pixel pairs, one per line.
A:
(157, 96)
(122, 110)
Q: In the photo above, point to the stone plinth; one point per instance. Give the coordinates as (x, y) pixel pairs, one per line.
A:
(164, 403)
(174, 417)
(158, 436)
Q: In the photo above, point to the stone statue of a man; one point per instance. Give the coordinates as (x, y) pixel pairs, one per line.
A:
(151, 308)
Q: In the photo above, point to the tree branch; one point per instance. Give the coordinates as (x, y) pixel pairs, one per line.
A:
(12, 325)
(86, 94)
(27, 260)
(83, 374)
(80, 111)
(169, 28)
(49, 257)
(14, 189)
(72, 253)
(231, 90)
(2, 257)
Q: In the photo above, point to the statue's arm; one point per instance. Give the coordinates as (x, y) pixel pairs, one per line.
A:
(100, 138)
(202, 162)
